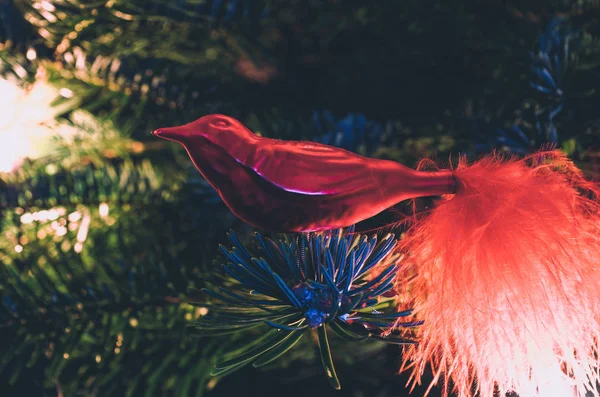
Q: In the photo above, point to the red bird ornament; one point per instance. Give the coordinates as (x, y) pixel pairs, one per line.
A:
(296, 186)
(504, 270)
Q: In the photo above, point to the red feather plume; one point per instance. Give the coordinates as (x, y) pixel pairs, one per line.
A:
(506, 276)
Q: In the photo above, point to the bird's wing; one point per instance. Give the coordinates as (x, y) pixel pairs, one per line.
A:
(310, 168)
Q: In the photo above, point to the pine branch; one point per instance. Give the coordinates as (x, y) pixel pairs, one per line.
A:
(85, 288)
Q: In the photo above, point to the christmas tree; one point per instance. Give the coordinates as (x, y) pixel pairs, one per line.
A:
(121, 266)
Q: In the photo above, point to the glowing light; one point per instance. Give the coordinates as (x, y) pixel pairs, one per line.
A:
(74, 216)
(25, 119)
(10, 154)
(211, 384)
(44, 5)
(51, 169)
(78, 247)
(18, 248)
(44, 33)
(65, 93)
(133, 322)
(122, 15)
(20, 71)
(203, 311)
(103, 210)
(83, 229)
(137, 147)
(43, 216)
(27, 217)
(69, 58)
(49, 16)
(66, 356)
(48, 6)
(31, 54)
(53, 214)
(66, 245)
(98, 358)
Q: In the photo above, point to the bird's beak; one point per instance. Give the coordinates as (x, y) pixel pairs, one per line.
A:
(176, 134)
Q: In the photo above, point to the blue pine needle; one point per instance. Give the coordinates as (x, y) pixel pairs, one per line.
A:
(310, 281)
(553, 57)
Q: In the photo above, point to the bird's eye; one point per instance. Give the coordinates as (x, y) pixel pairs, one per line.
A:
(220, 123)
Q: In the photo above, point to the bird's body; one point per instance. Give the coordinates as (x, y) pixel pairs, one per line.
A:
(296, 185)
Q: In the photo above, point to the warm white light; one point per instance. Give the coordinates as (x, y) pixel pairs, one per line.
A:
(84, 228)
(31, 54)
(53, 214)
(66, 93)
(27, 218)
(74, 216)
(103, 210)
(44, 215)
(26, 120)
(14, 125)
(11, 149)
(47, 5)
